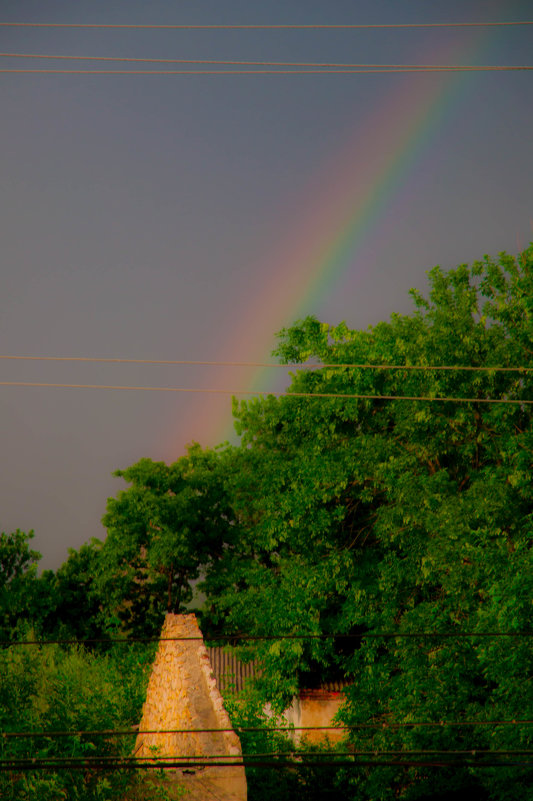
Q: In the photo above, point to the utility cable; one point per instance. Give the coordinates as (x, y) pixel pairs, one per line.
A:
(384, 726)
(422, 67)
(258, 393)
(275, 637)
(232, 758)
(33, 764)
(318, 26)
(288, 365)
(385, 71)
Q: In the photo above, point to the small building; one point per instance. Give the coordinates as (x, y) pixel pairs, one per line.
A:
(311, 713)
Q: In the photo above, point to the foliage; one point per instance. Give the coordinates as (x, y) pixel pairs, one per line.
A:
(75, 608)
(286, 778)
(18, 579)
(61, 604)
(341, 518)
(369, 516)
(169, 524)
(51, 689)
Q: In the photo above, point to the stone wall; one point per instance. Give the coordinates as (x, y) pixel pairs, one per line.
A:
(182, 694)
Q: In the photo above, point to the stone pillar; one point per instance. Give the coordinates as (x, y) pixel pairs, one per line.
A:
(182, 694)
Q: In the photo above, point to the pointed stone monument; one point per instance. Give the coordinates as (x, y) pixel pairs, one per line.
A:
(182, 694)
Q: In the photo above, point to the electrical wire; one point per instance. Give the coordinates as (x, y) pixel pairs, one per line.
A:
(258, 393)
(318, 26)
(422, 67)
(288, 365)
(385, 71)
(384, 725)
(230, 759)
(33, 764)
(275, 637)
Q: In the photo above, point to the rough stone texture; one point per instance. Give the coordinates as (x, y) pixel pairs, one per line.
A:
(182, 694)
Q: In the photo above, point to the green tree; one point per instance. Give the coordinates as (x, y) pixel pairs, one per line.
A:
(162, 531)
(18, 579)
(361, 516)
(365, 513)
(61, 604)
(51, 689)
(71, 606)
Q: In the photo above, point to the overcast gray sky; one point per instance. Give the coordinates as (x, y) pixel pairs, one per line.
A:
(176, 217)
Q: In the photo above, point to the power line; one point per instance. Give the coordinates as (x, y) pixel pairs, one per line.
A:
(33, 764)
(384, 725)
(279, 394)
(270, 71)
(341, 26)
(288, 365)
(231, 759)
(274, 637)
(422, 67)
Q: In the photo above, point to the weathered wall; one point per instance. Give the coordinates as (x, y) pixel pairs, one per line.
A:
(315, 708)
(182, 694)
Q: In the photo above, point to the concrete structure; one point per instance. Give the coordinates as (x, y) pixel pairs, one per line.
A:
(315, 708)
(182, 694)
(311, 707)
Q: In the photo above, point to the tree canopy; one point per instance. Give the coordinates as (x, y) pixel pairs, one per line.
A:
(384, 510)
(19, 587)
(387, 515)
(172, 521)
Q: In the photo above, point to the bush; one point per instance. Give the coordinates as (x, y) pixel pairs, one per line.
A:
(49, 689)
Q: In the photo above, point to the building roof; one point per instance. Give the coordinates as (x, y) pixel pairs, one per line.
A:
(231, 674)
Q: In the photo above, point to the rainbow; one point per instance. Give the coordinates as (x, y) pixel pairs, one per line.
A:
(353, 197)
